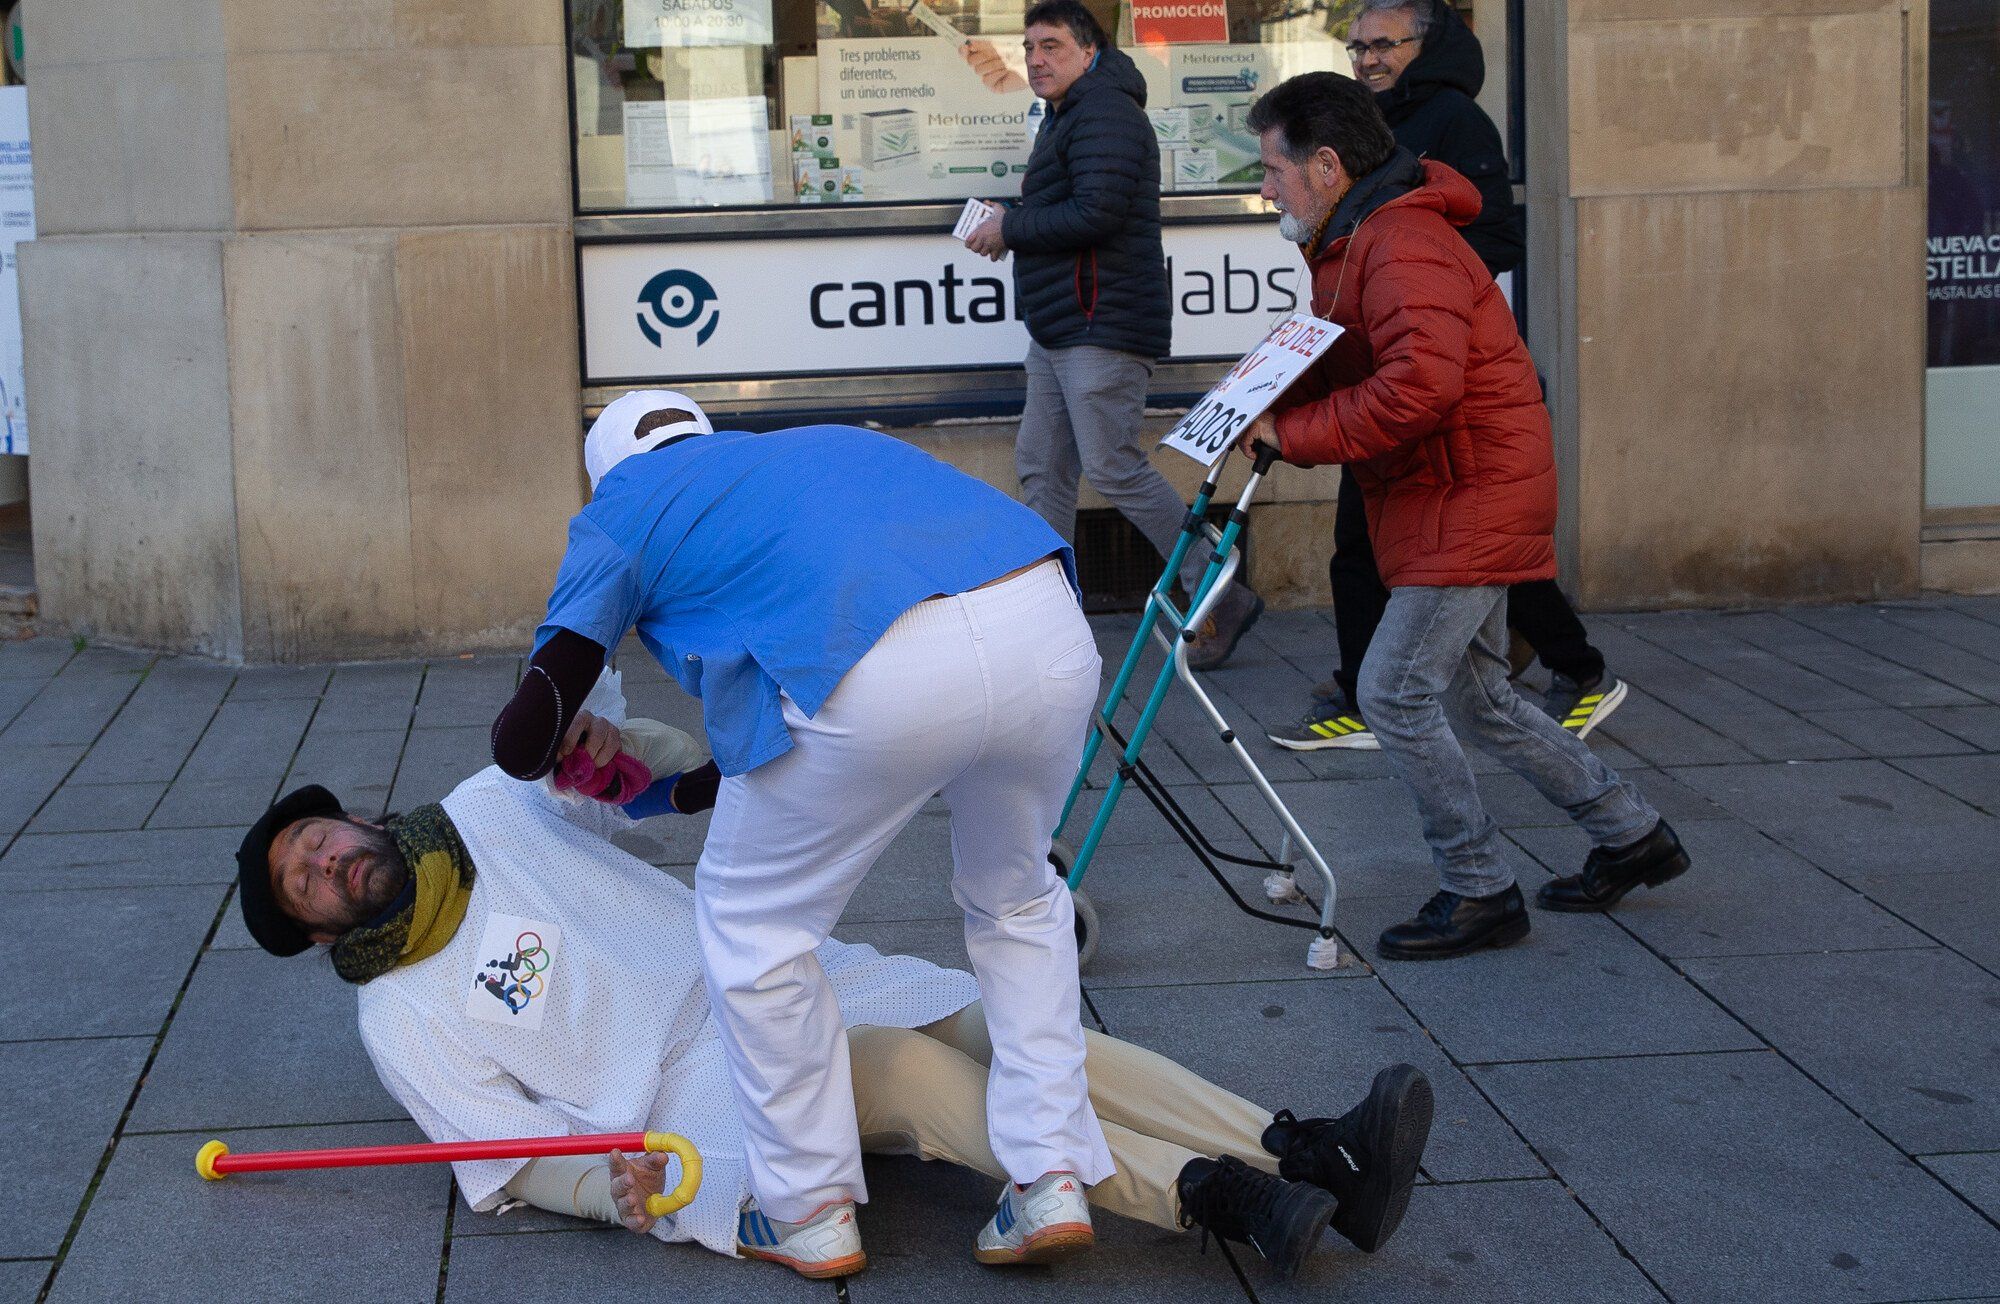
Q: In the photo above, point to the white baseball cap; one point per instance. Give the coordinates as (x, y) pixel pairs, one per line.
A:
(611, 439)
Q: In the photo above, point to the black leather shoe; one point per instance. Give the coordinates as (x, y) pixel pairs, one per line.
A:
(1609, 874)
(1450, 924)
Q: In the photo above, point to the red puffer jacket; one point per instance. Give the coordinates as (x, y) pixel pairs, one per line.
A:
(1429, 396)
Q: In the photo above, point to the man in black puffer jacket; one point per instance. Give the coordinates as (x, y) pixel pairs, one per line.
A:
(1091, 279)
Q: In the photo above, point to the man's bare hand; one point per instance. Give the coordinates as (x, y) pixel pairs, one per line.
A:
(986, 239)
(597, 736)
(632, 1180)
(986, 60)
(1263, 430)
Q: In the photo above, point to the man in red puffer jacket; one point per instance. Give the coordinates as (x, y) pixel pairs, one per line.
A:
(1430, 401)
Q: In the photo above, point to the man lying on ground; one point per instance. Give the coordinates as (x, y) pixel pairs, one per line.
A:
(521, 976)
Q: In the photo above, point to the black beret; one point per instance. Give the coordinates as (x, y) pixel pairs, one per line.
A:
(276, 931)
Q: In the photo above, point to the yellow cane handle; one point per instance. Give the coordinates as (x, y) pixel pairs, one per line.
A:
(682, 1195)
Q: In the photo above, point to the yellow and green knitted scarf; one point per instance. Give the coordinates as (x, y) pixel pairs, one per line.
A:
(427, 911)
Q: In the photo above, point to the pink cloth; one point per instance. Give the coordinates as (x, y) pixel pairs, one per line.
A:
(622, 780)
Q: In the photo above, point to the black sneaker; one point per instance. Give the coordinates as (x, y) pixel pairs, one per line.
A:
(1326, 725)
(1281, 1220)
(1450, 924)
(1367, 1158)
(1580, 708)
(1608, 874)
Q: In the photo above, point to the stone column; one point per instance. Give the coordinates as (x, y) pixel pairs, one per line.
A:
(1726, 232)
(301, 322)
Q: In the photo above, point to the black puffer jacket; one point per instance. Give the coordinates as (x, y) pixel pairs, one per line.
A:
(1088, 266)
(1432, 113)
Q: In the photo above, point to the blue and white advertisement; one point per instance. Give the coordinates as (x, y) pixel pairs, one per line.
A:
(17, 224)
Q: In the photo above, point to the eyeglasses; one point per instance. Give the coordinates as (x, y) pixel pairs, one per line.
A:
(1378, 47)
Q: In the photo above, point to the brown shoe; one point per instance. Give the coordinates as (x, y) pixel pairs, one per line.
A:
(1230, 619)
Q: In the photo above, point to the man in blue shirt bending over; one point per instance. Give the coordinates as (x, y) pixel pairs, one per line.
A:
(865, 627)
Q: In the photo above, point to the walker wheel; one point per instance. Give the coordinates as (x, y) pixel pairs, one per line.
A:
(1062, 857)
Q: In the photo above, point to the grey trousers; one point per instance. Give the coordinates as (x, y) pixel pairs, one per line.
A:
(1437, 668)
(1083, 414)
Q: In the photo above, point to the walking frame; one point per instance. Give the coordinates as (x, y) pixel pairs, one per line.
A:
(1174, 631)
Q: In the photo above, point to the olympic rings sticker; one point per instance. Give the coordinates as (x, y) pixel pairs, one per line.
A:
(513, 971)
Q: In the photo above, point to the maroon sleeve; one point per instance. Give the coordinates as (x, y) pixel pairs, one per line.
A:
(530, 728)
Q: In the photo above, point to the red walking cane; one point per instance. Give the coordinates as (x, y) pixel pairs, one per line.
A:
(214, 1162)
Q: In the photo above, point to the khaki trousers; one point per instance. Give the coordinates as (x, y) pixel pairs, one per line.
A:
(923, 1092)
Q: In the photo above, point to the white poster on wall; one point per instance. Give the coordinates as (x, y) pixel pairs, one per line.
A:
(17, 224)
(920, 123)
(697, 310)
(697, 152)
(697, 22)
(1215, 85)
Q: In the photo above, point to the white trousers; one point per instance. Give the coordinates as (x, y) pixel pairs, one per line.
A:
(984, 699)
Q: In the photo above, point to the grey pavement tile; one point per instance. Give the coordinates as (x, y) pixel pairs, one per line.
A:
(1909, 1039)
(1960, 910)
(34, 658)
(208, 803)
(112, 662)
(1976, 1177)
(437, 760)
(1737, 713)
(663, 700)
(157, 729)
(1745, 895)
(1577, 985)
(21, 1279)
(466, 691)
(1305, 632)
(15, 694)
(1850, 817)
(519, 1220)
(1732, 1177)
(1978, 725)
(1874, 632)
(97, 807)
(1974, 780)
(28, 775)
(1649, 728)
(127, 859)
(260, 1042)
(578, 1266)
(70, 709)
(62, 1100)
(921, 1217)
(1313, 1048)
(369, 698)
(1710, 642)
(331, 1233)
(356, 767)
(1886, 731)
(259, 682)
(1514, 803)
(1844, 663)
(1485, 1241)
(106, 963)
(1947, 625)
(253, 738)
(1136, 822)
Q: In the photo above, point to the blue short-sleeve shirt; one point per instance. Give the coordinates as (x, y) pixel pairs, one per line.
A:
(755, 565)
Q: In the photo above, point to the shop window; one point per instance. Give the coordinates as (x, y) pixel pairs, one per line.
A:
(690, 104)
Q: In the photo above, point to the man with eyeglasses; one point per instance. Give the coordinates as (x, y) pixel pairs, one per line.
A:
(1425, 67)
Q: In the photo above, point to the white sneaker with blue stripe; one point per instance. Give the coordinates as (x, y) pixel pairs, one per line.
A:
(1048, 1221)
(828, 1244)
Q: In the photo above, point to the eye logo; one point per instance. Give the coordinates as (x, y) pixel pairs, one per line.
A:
(677, 300)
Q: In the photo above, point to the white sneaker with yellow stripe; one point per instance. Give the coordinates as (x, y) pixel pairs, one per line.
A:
(1326, 725)
(1580, 708)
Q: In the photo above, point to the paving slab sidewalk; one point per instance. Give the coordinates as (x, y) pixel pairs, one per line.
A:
(1778, 1077)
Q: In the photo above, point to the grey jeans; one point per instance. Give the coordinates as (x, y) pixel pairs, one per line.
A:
(1082, 418)
(1438, 664)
